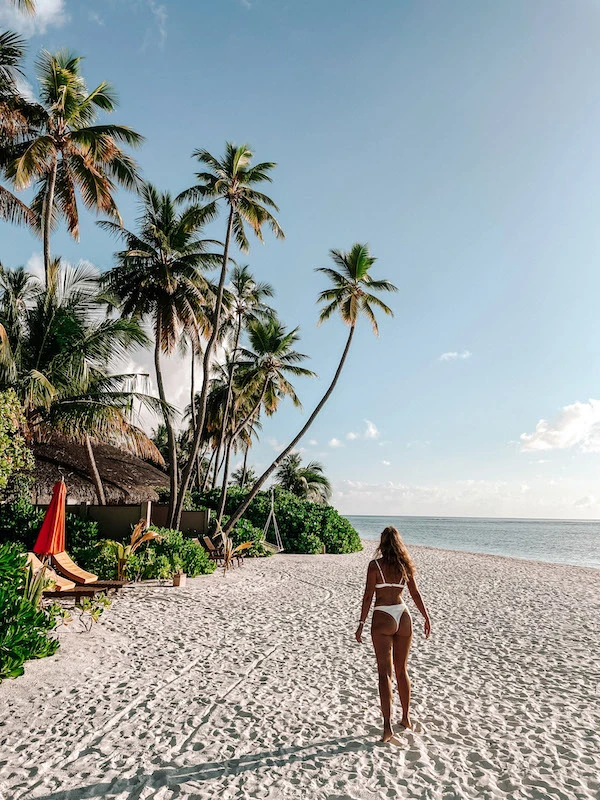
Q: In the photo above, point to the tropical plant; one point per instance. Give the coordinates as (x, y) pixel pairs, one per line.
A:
(262, 376)
(307, 481)
(24, 628)
(65, 151)
(56, 350)
(14, 121)
(159, 276)
(90, 609)
(232, 180)
(351, 295)
(15, 456)
(123, 552)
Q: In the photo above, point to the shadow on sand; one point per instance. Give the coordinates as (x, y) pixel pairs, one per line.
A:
(172, 777)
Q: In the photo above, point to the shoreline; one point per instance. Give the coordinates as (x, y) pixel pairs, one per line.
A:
(487, 555)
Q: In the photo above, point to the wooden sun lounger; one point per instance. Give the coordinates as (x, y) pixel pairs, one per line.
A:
(65, 564)
(214, 552)
(61, 584)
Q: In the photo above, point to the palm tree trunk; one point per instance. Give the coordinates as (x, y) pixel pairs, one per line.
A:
(245, 467)
(171, 440)
(236, 342)
(94, 472)
(47, 217)
(256, 488)
(239, 428)
(175, 519)
(207, 473)
(218, 462)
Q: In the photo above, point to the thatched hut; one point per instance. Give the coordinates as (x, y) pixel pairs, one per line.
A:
(126, 479)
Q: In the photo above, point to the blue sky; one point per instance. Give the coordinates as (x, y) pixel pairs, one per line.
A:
(460, 140)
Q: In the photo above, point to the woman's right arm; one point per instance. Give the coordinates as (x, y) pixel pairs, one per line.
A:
(416, 596)
(366, 601)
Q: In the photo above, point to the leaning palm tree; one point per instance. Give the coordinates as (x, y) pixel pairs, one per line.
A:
(352, 297)
(159, 277)
(262, 381)
(56, 351)
(13, 121)
(307, 481)
(66, 151)
(230, 179)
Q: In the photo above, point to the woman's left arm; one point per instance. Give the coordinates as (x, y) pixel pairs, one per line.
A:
(366, 601)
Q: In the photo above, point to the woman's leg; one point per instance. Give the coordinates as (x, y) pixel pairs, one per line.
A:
(382, 633)
(402, 641)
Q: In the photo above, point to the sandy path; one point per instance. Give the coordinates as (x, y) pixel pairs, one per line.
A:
(252, 687)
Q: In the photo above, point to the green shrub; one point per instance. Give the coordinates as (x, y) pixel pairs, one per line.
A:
(24, 628)
(305, 527)
(245, 531)
(181, 553)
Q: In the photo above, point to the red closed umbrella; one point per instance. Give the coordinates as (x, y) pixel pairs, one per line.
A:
(51, 538)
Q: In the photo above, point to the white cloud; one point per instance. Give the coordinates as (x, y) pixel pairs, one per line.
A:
(577, 424)
(334, 443)
(93, 16)
(386, 463)
(313, 442)
(586, 502)
(351, 435)
(48, 13)
(35, 266)
(452, 355)
(277, 446)
(159, 12)
(371, 431)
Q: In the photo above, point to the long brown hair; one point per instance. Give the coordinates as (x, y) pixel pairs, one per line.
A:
(393, 552)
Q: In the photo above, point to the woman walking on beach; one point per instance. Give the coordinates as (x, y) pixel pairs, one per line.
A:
(391, 628)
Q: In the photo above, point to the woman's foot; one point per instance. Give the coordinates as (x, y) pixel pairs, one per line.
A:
(388, 733)
(406, 722)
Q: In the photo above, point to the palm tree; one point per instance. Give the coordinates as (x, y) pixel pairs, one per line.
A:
(27, 6)
(247, 305)
(231, 179)
(13, 121)
(56, 350)
(66, 151)
(351, 295)
(243, 475)
(307, 481)
(262, 380)
(159, 276)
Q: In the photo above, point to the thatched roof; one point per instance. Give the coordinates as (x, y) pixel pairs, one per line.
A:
(126, 479)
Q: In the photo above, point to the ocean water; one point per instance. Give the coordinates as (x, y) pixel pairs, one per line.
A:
(557, 541)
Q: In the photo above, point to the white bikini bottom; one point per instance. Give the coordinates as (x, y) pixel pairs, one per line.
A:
(394, 611)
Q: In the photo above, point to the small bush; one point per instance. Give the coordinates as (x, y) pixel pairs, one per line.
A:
(24, 628)
(181, 553)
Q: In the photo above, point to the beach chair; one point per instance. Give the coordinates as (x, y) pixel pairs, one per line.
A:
(60, 584)
(215, 553)
(67, 567)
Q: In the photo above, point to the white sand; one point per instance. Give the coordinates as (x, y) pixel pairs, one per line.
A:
(253, 687)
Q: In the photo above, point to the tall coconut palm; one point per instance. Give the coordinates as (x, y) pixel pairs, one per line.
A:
(159, 277)
(247, 304)
(56, 351)
(13, 121)
(243, 475)
(351, 295)
(67, 153)
(27, 6)
(231, 180)
(304, 480)
(262, 378)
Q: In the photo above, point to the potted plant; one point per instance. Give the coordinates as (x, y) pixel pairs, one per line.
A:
(179, 576)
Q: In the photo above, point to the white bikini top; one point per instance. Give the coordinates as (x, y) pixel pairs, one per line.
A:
(384, 584)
